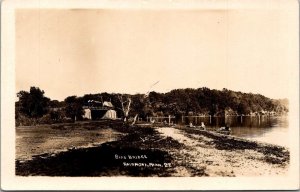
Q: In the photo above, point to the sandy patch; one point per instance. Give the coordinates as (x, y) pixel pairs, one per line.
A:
(200, 154)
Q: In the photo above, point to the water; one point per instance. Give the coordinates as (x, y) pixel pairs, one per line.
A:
(267, 129)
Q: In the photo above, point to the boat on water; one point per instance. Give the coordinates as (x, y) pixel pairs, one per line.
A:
(201, 127)
(224, 130)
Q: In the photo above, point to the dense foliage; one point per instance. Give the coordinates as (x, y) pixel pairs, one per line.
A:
(202, 101)
(214, 102)
(73, 107)
(32, 103)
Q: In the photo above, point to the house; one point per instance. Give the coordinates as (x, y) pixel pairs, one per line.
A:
(96, 111)
(107, 104)
(110, 114)
(87, 113)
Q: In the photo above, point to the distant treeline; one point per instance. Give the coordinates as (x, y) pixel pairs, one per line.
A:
(34, 107)
(215, 102)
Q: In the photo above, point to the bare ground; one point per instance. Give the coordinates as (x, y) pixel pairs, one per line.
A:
(39, 140)
(219, 155)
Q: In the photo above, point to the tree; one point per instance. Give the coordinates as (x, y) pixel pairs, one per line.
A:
(125, 104)
(243, 108)
(73, 108)
(56, 104)
(33, 103)
(138, 105)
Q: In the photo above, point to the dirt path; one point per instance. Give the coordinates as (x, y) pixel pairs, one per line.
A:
(200, 154)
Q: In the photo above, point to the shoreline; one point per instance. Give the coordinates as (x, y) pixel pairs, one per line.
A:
(232, 156)
(242, 139)
(170, 152)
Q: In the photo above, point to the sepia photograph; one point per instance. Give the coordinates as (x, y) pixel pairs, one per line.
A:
(200, 91)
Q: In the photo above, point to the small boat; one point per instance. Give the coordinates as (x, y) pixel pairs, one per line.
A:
(191, 125)
(224, 130)
(201, 127)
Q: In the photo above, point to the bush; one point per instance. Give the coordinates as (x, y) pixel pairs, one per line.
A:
(46, 119)
(22, 120)
(50, 118)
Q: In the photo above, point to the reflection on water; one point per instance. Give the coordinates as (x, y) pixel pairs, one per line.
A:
(264, 128)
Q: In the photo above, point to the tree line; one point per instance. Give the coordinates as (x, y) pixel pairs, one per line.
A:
(34, 107)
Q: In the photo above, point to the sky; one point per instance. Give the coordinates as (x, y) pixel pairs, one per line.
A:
(80, 51)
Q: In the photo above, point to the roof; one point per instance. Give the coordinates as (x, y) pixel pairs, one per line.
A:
(107, 104)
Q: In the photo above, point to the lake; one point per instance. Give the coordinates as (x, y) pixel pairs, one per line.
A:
(269, 129)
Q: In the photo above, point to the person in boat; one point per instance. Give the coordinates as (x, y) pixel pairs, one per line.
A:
(165, 122)
(202, 125)
(191, 124)
(152, 121)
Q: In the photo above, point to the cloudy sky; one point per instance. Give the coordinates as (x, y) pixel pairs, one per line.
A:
(78, 51)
